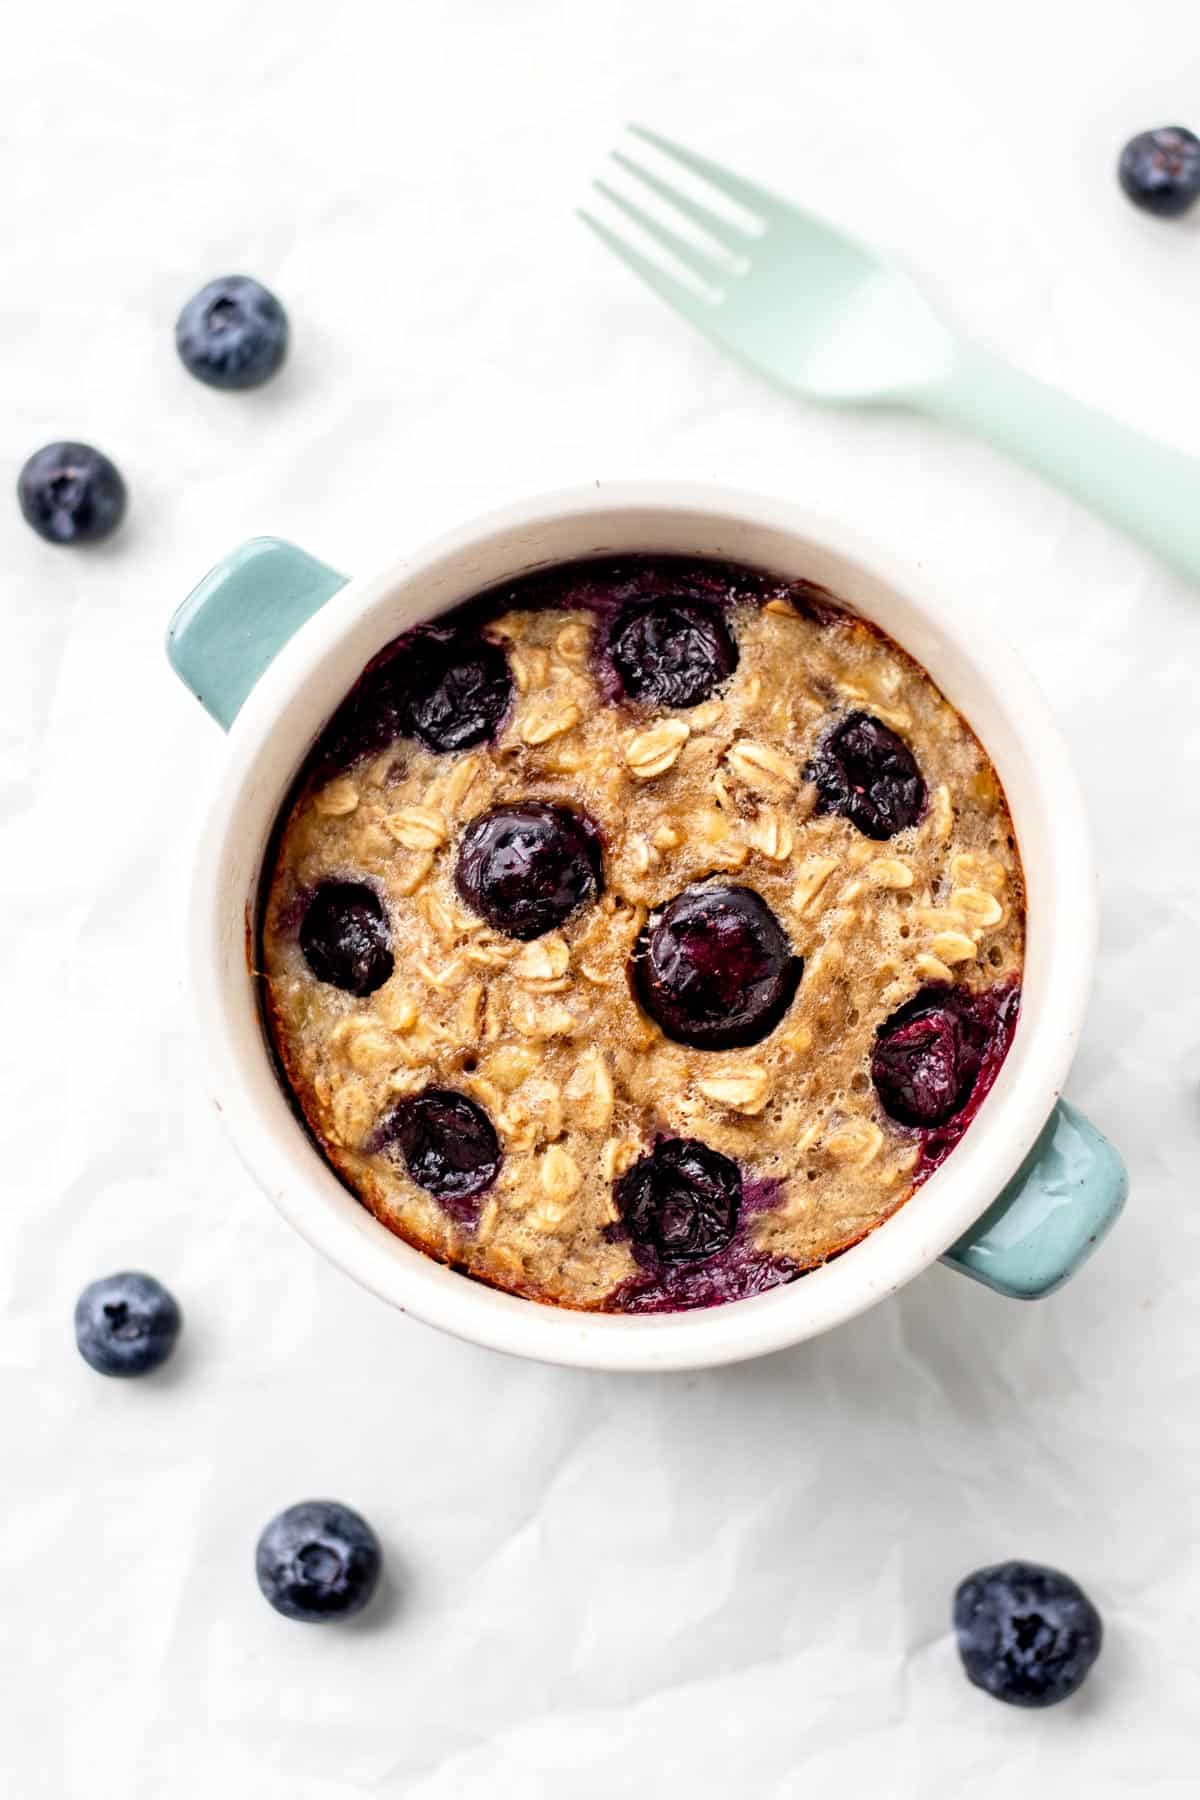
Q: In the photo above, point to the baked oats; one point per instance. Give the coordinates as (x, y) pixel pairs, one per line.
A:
(641, 935)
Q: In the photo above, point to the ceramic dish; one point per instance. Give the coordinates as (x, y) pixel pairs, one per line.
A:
(272, 640)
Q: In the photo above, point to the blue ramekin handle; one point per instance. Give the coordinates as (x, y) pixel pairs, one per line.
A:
(1063, 1199)
(239, 618)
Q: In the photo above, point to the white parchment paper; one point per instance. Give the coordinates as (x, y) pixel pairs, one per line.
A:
(732, 1583)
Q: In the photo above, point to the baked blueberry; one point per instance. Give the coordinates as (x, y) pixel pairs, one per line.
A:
(71, 494)
(527, 868)
(926, 1057)
(232, 334)
(680, 1203)
(318, 1560)
(672, 652)
(714, 967)
(1026, 1634)
(1160, 170)
(345, 937)
(448, 1143)
(457, 689)
(126, 1324)
(869, 775)
(449, 688)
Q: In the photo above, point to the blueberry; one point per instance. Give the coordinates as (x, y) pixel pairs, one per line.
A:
(672, 653)
(869, 775)
(1027, 1635)
(71, 494)
(680, 1203)
(448, 1143)
(714, 968)
(527, 868)
(126, 1324)
(457, 689)
(345, 937)
(1160, 170)
(448, 687)
(927, 1055)
(318, 1560)
(232, 334)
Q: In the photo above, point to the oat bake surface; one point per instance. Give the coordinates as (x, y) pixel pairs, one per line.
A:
(546, 1035)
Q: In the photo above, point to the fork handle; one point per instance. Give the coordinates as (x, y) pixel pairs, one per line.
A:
(1147, 488)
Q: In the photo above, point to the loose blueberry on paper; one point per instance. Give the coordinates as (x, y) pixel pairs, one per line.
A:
(317, 1561)
(1027, 1635)
(672, 653)
(345, 937)
(1160, 170)
(680, 1203)
(863, 771)
(714, 968)
(126, 1324)
(71, 494)
(233, 334)
(527, 868)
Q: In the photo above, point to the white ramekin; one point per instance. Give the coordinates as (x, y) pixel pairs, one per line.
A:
(1068, 1183)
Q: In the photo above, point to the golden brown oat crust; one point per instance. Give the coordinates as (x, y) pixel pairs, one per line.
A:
(547, 1036)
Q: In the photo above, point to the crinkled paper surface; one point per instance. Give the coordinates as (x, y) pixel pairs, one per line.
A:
(731, 1583)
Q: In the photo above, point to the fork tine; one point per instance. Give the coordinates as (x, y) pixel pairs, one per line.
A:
(682, 298)
(755, 199)
(682, 249)
(725, 232)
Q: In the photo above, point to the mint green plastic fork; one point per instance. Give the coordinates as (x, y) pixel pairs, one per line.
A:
(819, 313)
